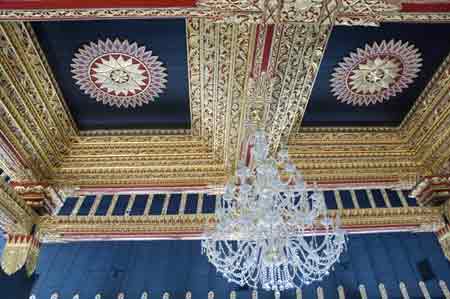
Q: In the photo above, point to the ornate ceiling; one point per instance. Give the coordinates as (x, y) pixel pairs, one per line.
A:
(144, 88)
(356, 88)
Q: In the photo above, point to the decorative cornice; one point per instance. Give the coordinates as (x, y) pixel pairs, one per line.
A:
(33, 110)
(354, 12)
(221, 57)
(136, 132)
(15, 215)
(192, 226)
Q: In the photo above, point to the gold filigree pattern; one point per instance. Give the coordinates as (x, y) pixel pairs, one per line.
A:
(35, 119)
(354, 12)
(192, 225)
(19, 217)
(297, 62)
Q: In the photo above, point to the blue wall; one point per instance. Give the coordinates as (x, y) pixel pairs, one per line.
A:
(178, 266)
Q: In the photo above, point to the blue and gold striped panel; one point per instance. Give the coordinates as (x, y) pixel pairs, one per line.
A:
(103, 206)
(330, 200)
(139, 204)
(121, 205)
(174, 204)
(69, 205)
(346, 198)
(191, 204)
(363, 199)
(177, 203)
(86, 206)
(157, 204)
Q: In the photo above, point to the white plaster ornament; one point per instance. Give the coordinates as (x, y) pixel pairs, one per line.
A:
(376, 73)
(118, 73)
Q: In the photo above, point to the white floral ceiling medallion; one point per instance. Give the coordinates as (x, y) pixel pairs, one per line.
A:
(119, 73)
(376, 73)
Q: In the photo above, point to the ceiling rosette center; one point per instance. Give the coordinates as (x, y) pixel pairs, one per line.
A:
(376, 73)
(119, 73)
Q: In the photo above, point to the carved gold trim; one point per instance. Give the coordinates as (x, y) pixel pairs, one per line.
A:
(354, 12)
(220, 55)
(19, 217)
(190, 226)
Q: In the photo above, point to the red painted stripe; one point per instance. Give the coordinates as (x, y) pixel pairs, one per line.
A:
(267, 47)
(426, 7)
(248, 158)
(252, 73)
(72, 4)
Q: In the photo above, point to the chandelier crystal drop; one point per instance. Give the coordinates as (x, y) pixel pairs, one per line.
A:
(271, 232)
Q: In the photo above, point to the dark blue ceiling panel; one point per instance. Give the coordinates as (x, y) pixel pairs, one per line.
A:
(166, 39)
(325, 110)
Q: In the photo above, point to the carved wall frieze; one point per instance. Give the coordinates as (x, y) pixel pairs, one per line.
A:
(191, 226)
(173, 175)
(361, 174)
(133, 139)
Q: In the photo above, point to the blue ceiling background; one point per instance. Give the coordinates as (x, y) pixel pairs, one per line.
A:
(166, 38)
(177, 267)
(325, 110)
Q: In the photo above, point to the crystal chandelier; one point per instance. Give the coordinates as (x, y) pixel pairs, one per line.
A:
(271, 233)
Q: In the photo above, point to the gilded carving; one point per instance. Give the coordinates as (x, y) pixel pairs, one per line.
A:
(297, 62)
(18, 217)
(443, 235)
(224, 99)
(192, 225)
(354, 12)
(20, 251)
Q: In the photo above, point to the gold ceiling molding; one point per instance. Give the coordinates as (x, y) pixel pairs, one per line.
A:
(220, 58)
(354, 12)
(422, 136)
(10, 163)
(34, 117)
(60, 228)
(234, 11)
(222, 65)
(297, 51)
(148, 140)
(219, 55)
(134, 132)
(423, 113)
(374, 12)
